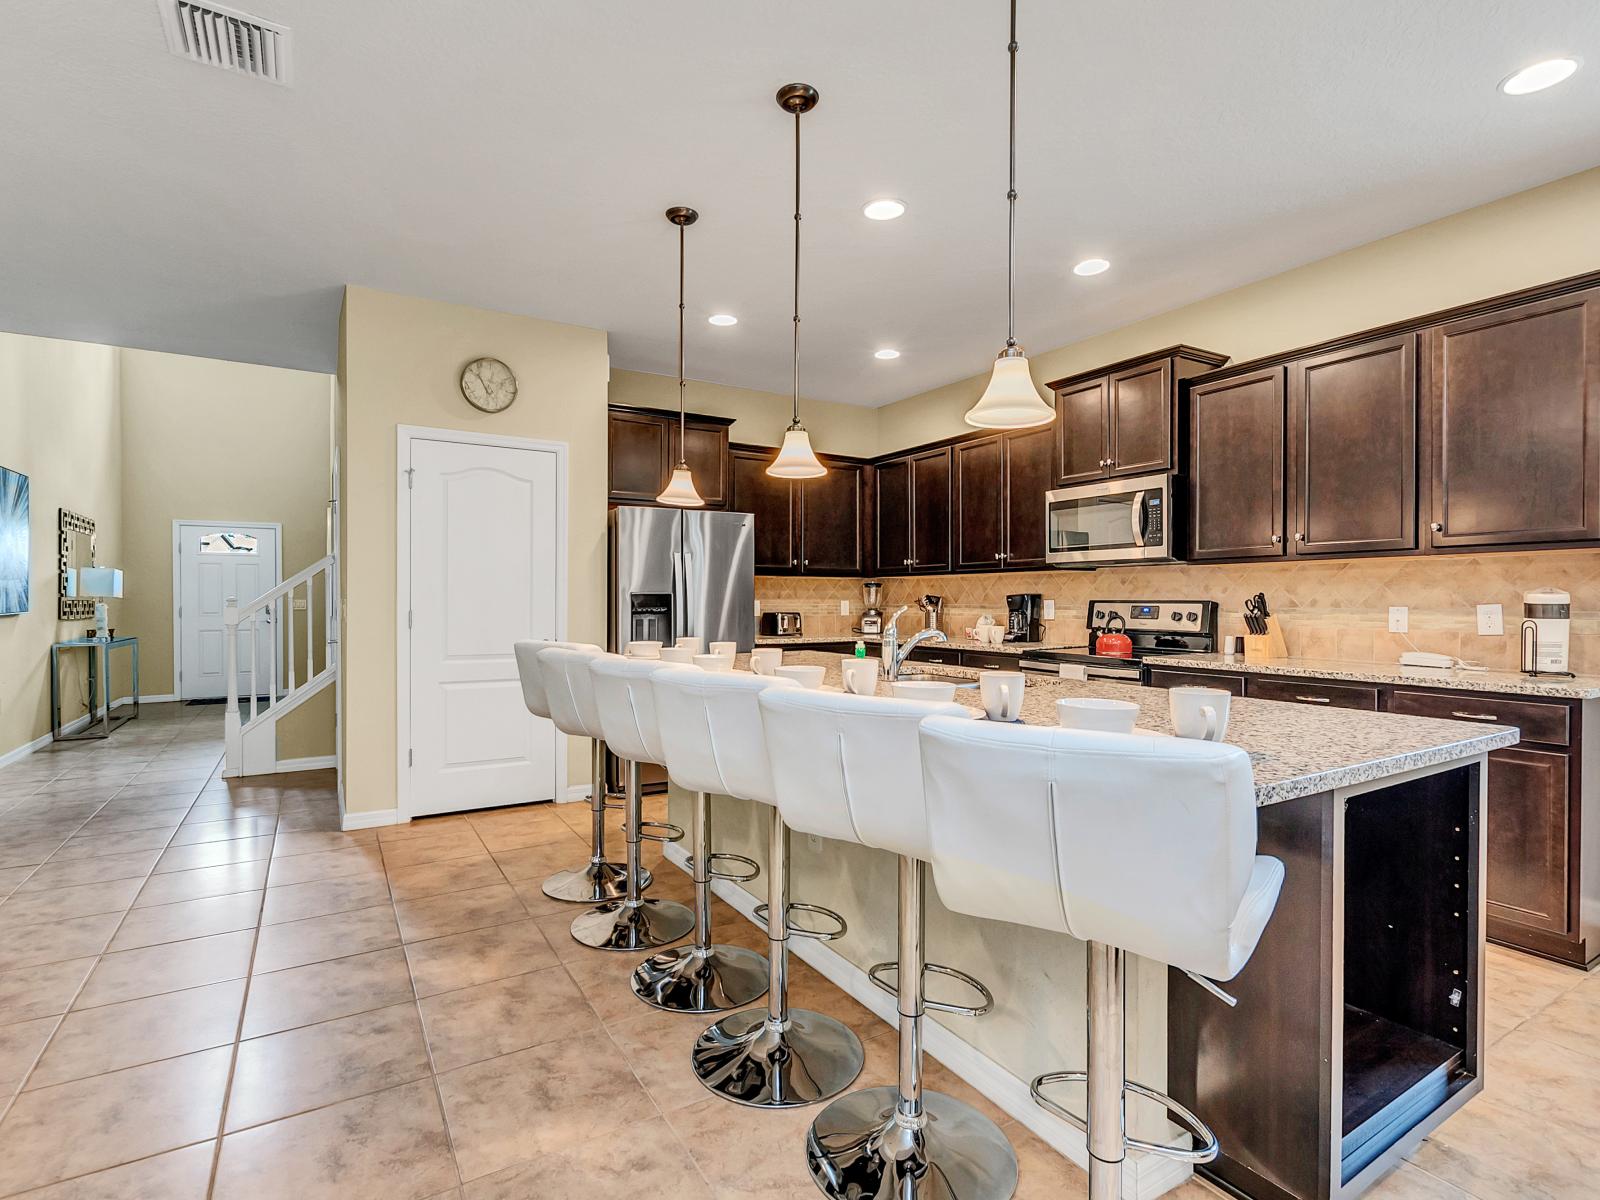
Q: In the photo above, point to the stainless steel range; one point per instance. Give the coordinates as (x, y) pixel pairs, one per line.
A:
(1154, 627)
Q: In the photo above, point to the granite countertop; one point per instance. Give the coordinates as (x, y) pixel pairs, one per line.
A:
(872, 639)
(1581, 687)
(1295, 749)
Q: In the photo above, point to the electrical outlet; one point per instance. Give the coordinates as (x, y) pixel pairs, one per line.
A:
(1490, 620)
(1049, 610)
(1399, 618)
(299, 604)
(813, 842)
(844, 608)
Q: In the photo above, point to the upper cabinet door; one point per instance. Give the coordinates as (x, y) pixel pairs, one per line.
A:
(639, 456)
(1353, 448)
(980, 512)
(930, 511)
(708, 460)
(1139, 412)
(1030, 473)
(830, 521)
(893, 509)
(1081, 420)
(1236, 467)
(770, 501)
(1513, 409)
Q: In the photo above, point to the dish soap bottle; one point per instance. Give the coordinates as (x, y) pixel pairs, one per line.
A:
(861, 648)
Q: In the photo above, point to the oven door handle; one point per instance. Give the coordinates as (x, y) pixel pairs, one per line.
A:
(1136, 515)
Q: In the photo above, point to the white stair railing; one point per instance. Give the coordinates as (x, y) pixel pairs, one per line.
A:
(251, 744)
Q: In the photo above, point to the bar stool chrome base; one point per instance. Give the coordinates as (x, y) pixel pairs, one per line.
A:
(861, 1148)
(753, 1061)
(593, 883)
(633, 925)
(695, 979)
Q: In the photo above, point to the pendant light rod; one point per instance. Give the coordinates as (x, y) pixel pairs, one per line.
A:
(1011, 192)
(680, 491)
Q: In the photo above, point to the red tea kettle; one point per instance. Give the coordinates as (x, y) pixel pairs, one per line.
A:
(1113, 643)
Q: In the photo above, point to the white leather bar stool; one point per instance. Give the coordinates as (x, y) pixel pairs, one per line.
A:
(779, 1057)
(598, 880)
(1143, 845)
(701, 977)
(849, 768)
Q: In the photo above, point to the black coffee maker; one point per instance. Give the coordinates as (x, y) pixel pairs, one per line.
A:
(1023, 611)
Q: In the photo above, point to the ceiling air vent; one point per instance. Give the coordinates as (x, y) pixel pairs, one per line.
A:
(221, 37)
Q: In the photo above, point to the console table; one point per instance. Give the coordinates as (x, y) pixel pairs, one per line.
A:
(99, 671)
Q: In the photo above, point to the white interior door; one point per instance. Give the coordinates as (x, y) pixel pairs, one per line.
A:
(484, 570)
(216, 561)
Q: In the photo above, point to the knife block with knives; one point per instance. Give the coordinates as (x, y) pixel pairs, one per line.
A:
(1263, 639)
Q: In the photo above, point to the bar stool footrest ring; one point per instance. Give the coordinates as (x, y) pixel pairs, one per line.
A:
(1202, 1153)
(820, 935)
(751, 871)
(879, 974)
(671, 832)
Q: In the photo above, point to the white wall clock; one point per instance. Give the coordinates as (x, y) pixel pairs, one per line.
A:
(488, 385)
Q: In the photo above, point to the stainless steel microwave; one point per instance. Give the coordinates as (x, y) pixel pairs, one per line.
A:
(1114, 521)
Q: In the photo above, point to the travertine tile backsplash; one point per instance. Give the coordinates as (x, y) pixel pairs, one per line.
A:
(1328, 609)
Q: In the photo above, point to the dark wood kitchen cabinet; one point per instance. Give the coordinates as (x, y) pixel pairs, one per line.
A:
(892, 508)
(1236, 466)
(1125, 419)
(1513, 411)
(913, 513)
(642, 449)
(1030, 469)
(1000, 484)
(802, 526)
(771, 502)
(1352, 483)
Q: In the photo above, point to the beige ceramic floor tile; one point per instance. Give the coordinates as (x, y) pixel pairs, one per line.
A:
(134, 864)
(176, 1175)
(603, 979)
(290, 844)
(40, 991)
(1497, 1151)
(213, 854)
(535, 864)
(657, 1045)
(477, 956)
(315, 866)
(746, 1152)
(100, 845)
(440, 878)
(325, 990)
(1412, 1183)
(221, 831)
(74, 1128)
(191, 919)
(19, 1047)
(34, 908)
(177, 886)
(287, 1073)
(643, 1160)
(296, 943)
(511, 1109)
(297, 901)
(475, 1023)
(458, 912)
(29, 945)
(458, 842)
(169, 967)
(388, 1146)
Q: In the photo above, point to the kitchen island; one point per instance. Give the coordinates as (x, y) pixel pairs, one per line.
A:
(1359, 1024)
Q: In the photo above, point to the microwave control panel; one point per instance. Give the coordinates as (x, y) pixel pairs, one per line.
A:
(1155, 521)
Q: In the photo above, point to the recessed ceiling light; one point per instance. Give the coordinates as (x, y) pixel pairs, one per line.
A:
(1091, 266)
(1538, 77)
(883, 210)
(886, 353)
(723, 319)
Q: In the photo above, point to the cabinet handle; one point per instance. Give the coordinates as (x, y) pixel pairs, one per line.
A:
(1277, 539)
(806, 562)
(794, 562)
(997, 556)
(1476, 716)
(1437, 527)
(1299, 537)
(1315, 699)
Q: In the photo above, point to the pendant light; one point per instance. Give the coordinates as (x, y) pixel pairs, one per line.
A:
(1011, 401)
(796, 459)
(680, 490)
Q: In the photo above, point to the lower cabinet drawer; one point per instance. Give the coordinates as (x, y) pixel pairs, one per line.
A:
(1300, 691)
(1166, 677)
(1528, 834)
(949, 658)
(1539, 721)
(991, 662)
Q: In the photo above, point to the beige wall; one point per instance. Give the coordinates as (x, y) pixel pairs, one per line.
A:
(61, 425)
(400, 362)
(759, 417)
(209, 440)
(1533, 237)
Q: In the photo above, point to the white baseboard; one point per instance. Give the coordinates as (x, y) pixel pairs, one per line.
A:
(72, 726)
(320, 762)
(575, 793)
(1144, 1178)
(167, 699)
(370, 820)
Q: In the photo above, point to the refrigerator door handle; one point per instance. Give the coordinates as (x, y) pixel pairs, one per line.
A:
(678, 619)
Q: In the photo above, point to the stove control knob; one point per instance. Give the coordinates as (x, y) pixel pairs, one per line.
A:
(1099, 615)
(1194, 616)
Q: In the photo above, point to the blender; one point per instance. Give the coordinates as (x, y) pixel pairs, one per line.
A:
(871, 615)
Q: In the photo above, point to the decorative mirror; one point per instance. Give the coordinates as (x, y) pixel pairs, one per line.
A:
(77, 550)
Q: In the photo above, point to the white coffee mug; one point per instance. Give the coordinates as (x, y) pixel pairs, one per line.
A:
(677, 654)
(1104, 716)
(763, 659)
(1002, 694)
(1199, 712)
(930, 690)
(860, 674)
(728, 648)
(714, 662)
(643, 650)
(803, 674)
(692, 644)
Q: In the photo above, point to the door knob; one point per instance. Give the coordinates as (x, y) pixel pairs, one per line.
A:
(1299, 537)
(1437, 527)
(1277, 539)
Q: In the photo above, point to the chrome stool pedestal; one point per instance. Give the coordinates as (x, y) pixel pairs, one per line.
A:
(598, 880)
(704, 977)
(783, 1057)
(900, 1143)
(634, 923)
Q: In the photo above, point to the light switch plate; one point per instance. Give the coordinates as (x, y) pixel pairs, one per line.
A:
(299, 604)
(1399, 618)
(1049, 610)
(844, 608)
(1490, 620)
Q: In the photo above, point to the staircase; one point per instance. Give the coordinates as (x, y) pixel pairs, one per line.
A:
(252, 743)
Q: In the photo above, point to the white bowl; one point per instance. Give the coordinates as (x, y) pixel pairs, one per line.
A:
(677, 654)
(804, 674)
(714, 662)
(923, 689)
(728, 648)
(1104, 716)
(643, 650)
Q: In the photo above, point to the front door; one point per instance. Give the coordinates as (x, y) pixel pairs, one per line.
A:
(218, 562)
(485, 541)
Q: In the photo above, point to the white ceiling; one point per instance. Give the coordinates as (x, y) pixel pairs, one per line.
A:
(518, 155)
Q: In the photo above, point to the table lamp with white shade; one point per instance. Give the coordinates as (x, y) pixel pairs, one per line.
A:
(99, 584)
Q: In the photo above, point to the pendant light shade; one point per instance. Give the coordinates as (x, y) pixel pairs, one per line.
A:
(680, 491)
(796, 459)
(1011, 401)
